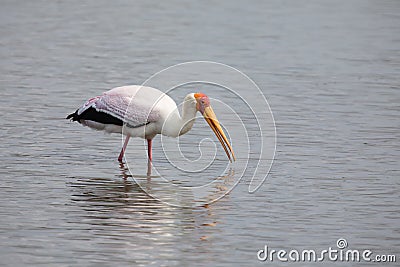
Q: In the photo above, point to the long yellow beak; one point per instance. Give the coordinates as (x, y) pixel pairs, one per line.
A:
(212, 120)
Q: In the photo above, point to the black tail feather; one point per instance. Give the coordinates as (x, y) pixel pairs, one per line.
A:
(73, 116)
(93, 115)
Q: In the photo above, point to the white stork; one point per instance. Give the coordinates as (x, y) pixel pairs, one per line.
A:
(146, 112)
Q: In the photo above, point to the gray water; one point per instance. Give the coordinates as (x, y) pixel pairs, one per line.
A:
(330, 72)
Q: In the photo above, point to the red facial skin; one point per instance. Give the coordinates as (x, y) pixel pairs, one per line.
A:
(202, 102)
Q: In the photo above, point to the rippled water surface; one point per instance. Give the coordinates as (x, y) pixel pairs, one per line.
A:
(329, 70)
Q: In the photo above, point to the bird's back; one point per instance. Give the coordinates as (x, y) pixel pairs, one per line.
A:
(143, 101)
(134, 105)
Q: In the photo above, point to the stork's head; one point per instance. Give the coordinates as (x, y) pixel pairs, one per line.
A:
(203, 105)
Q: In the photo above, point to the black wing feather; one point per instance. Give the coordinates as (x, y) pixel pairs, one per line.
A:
(94, 115)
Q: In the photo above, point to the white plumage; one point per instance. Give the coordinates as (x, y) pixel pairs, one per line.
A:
(146, 112)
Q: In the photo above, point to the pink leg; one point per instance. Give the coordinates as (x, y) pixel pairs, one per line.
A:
(149, 149)
(121, 155)
(150, 156)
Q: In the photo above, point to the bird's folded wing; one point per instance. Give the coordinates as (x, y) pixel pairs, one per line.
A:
(127, 109)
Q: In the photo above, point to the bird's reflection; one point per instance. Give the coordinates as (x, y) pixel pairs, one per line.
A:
(126, 174)
(176, 193)
(124, 171)
(121, 210)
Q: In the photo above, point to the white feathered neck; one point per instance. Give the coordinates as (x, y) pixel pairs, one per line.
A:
(176, 125)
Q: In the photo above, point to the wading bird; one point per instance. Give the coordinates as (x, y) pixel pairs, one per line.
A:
(140, 111)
